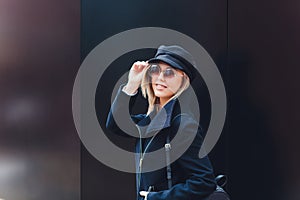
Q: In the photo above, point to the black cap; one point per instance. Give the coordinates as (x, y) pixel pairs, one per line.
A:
(176, 57)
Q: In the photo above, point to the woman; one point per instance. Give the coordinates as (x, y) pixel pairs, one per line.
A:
(163, 79)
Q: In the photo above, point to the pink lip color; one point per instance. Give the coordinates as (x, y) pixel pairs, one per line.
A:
(160, 87)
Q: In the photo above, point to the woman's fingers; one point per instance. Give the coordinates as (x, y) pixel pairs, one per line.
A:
(139, 66)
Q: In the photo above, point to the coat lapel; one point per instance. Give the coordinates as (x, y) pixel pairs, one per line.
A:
(162, 119)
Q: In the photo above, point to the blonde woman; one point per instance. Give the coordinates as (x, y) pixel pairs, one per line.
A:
(162, 80)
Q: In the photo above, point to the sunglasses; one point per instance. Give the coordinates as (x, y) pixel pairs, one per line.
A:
(155, 70)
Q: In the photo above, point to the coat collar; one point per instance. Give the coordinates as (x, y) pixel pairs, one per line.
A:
(156, 122)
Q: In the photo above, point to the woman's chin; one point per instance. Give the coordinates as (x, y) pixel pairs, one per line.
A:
(162, 94)
(159, 93)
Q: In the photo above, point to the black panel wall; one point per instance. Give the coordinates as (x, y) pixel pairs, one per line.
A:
(204, 21)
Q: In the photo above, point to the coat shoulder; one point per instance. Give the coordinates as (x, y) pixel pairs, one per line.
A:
(187, 123)
(184, 119)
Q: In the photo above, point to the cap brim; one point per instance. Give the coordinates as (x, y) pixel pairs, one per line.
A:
(165, 59)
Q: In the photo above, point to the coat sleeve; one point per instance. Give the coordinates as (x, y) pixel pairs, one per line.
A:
(200, 180)
(119, 120)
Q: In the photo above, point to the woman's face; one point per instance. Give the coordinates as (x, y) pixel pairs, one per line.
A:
(165, 84)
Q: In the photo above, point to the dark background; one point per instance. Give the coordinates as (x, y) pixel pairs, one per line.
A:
(255, 45)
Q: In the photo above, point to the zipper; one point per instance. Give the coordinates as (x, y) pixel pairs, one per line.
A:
(141, 160)
(142, 155)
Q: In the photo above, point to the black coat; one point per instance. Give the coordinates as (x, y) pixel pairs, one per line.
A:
(192, 177)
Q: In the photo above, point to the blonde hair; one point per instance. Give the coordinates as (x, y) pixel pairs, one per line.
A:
(148, 93)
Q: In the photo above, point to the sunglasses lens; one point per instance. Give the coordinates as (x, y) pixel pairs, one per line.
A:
(154, 70)
(169, 73)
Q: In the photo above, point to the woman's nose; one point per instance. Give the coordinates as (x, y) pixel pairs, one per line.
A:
(161, 76)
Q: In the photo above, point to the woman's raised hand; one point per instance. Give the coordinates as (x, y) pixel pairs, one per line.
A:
(135, 76)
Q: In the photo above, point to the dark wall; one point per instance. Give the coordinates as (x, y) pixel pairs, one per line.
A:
(204, 21)
(263, 57)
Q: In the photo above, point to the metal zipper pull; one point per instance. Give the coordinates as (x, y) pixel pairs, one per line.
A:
(141, 162)
(151, 188)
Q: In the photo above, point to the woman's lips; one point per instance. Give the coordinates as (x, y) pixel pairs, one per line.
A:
(160, 86)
